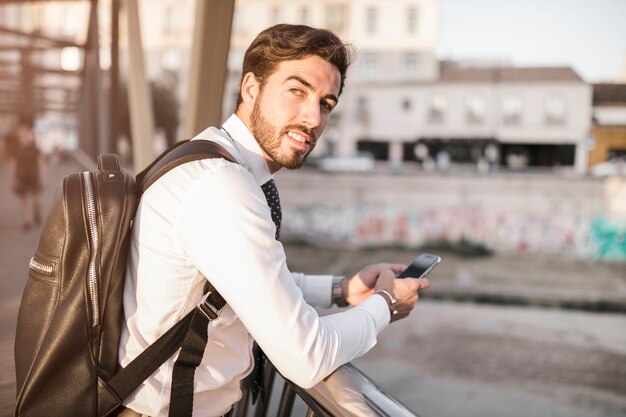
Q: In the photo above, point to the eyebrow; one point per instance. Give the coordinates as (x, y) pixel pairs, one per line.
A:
(310, 87)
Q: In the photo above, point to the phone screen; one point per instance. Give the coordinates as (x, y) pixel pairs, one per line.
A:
(421, 266)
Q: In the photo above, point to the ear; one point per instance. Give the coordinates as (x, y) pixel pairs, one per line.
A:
(250, 88)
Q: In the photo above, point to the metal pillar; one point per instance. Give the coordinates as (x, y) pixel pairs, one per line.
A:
(209, 60)
(92, 111)
(26, 82)
(114, 76)
(139, 97)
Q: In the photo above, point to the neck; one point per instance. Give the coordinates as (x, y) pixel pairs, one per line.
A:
(245, 118)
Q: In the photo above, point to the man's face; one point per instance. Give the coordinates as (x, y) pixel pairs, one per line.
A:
(292, 109)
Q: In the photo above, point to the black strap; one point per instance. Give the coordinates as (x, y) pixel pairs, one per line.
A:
(128, 379)
(190, 333)
(181, 153)
(181, 396)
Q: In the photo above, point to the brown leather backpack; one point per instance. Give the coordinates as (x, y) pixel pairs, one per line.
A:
(70, 317)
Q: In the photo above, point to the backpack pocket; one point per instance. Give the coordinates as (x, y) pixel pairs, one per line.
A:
(43, 267)
(42, 292)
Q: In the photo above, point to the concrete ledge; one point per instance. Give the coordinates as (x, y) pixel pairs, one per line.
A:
(595, 301)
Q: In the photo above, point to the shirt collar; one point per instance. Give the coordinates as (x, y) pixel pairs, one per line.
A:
(238, 140)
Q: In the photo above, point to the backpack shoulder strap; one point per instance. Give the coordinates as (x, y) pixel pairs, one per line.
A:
(182, 152)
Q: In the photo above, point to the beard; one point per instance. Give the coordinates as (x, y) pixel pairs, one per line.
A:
(269, 139)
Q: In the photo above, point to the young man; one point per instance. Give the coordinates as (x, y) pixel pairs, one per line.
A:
(210, 220)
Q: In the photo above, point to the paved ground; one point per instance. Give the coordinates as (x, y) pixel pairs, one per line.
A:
(519, 279)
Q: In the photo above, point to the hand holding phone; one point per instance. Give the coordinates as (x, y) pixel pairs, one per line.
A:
(421, 266)
(402, 298)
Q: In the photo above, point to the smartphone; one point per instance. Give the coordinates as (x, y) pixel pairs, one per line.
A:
(421, 266)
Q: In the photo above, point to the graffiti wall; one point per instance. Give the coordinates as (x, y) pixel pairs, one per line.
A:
(550, 222)
(500, 231)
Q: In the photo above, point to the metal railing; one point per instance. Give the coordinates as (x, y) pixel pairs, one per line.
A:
(347, 392)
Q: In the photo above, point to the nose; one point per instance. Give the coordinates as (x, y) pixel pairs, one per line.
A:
(311, 114)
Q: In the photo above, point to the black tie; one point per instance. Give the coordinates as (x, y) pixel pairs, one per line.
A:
(258, 373)
(273, 201)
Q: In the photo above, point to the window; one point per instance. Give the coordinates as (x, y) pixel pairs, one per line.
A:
(362, 109)
(171, 59)
(511, 110)
(305, 16)
(171, 20)
(406, 105)
(371, 20)
(437, 108)
(371, 65)
(275, 15)
(70, 58)
(554, 108)
(70, 22)
(410, 64)
(411, 20)
(475, 109)
(336, 17)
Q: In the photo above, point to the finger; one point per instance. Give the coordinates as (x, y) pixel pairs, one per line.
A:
(413, 284)
(397, 268)
(388, 274)
(424, 283)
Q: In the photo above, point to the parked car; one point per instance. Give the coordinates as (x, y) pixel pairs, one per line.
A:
(616, 166)
(358, 162)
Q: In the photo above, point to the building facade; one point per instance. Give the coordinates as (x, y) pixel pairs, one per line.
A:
(609, 124)
(400, 103)
(504, 116)
(403, 106)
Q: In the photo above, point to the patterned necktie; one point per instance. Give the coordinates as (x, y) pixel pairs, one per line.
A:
(273, 201)
(258, 373)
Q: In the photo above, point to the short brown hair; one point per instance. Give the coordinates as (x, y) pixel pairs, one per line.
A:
(285, 42)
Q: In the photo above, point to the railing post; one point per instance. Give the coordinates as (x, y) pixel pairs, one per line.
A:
(286, 401)
(264, 400)
(242, 408)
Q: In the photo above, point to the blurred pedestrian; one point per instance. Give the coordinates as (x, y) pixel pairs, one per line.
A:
(28, 172)
(10, 143)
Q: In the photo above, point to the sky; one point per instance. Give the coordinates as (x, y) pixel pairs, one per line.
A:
(588, 35)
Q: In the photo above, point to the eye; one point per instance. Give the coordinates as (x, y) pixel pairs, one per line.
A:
(296, 92)
(327, 106)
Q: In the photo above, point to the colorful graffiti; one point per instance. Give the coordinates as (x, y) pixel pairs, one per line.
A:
(498, 230)
(608, 238)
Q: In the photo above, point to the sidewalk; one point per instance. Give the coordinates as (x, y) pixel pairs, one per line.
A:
(517, 278)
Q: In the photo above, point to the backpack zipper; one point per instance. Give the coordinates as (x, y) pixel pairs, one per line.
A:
(92, 272)
(40, 268)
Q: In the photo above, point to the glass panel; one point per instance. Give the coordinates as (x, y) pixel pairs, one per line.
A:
(476, 108)
(554, 110)
(512, 110)
(412, 20)
(371, 20)
(436, 108)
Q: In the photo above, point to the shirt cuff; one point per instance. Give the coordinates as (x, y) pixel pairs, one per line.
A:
(317, 290)
(379, 309)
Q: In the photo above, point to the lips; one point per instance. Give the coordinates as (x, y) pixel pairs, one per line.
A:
(299, 137)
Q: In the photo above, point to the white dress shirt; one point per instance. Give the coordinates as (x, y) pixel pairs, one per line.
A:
(209, 219)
